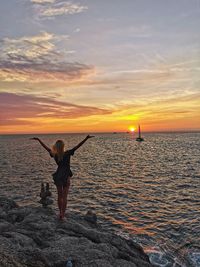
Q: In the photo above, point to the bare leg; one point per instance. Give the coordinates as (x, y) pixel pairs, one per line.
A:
(60, 199)
(65, 194)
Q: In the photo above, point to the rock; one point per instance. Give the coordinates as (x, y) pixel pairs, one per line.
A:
(33, 236)
(7, 204)
(8, 260)
(91, 217)
(46, 201)
(5, 226)
(45, 195)
(17, 215)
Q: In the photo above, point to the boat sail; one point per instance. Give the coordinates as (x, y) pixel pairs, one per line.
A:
(139, 138)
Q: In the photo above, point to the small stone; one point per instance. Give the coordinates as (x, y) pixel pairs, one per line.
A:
(45, 195)
(91, 217)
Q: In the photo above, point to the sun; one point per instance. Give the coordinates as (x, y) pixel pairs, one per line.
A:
(132, 129)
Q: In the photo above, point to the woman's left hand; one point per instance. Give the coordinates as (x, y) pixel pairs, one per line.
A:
(90, 136)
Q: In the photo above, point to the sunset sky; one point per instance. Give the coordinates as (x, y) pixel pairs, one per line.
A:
(99, 65)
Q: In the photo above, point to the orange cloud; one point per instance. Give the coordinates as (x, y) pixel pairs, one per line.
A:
(18, 109)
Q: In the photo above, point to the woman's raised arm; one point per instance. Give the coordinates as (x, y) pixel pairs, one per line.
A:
(82, 142)
(46, 147)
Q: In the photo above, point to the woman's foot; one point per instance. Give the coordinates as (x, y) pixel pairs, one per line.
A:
(59, 216)
(63, 215)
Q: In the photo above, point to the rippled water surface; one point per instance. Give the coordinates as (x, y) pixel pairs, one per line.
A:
(147, 191)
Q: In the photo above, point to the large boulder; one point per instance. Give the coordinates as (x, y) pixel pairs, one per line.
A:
(33, 236)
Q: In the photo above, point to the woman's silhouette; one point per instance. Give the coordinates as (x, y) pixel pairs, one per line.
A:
(63, 173)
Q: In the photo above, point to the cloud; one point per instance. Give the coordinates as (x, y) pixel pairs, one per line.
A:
(36, 58)
(52, 8)
(28, 47)
(77, 30)
(165, 108)
(17, 109)
(42, 1)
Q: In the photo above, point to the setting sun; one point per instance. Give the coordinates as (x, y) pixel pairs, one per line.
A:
(132, 129)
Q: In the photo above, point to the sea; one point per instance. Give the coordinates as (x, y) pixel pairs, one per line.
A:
(146, 191)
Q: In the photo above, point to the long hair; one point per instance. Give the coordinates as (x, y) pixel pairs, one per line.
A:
(58, 149)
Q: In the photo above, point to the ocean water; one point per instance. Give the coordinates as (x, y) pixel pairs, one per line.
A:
(147, 191)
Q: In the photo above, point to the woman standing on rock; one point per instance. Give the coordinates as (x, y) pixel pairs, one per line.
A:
(63, 173)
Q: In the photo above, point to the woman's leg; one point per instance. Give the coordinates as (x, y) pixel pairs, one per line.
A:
(60, 198)
(65, 194)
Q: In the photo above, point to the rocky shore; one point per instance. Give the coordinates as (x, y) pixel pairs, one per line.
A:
(34, 237)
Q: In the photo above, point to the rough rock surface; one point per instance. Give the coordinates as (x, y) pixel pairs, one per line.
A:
(33, 236)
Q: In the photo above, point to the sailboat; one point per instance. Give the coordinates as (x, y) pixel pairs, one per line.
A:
(139, 138)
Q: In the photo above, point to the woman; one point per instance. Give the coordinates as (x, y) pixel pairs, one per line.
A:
(63, 173)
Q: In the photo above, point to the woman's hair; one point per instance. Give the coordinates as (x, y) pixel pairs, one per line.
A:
(58, 149)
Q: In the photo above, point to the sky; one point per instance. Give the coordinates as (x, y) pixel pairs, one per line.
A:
(99, 65)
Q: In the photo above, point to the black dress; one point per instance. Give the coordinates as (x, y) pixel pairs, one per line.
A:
(63, 171)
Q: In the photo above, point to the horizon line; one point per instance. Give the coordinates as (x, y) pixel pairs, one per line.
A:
(105, 132)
